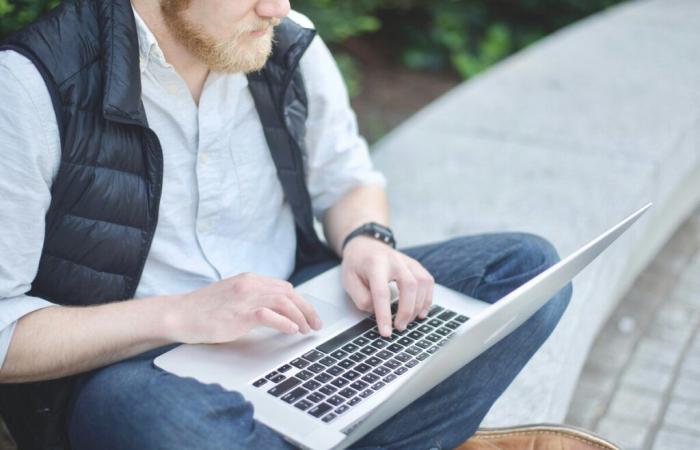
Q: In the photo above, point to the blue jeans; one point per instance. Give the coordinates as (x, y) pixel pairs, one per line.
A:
(134, 405)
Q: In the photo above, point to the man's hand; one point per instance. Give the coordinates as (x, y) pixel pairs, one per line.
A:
(226, 310)
(369, 265)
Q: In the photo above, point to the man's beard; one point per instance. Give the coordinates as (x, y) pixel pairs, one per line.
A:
(239, 53)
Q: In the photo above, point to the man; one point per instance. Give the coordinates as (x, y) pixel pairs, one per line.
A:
(162, 162)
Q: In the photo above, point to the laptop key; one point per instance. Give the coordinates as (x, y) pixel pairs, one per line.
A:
(381, 371)
(435, 309)
(400, 371)
(346, 363)
(380, 343)
(422, 356)
(378, 385)
(369, 350)
(371, 335)
(329, 417)
(412, 325)
(361, 341)
(340, 382)
(341, 409)
(312, 384)
(349, 347)
(277, 378)
(384, 354)
(392, 363)
(444, 331)
(320, 409)
(461, 318)
(362, 368)
(283, 386)
(283, 368)
(366, 393)
(335, 370)
(328, 361)
(299, 363)
(315, 397)
(339, 354)
(447, 315)
(442, 342)
(405, 341)
(294, 395)
(432, 349)
(425, 329)
(412, 363)
(316, 368)
(272, 375)
(347, 392)
(335, 400)
(373, 361)
(358, 385)
(453, 325)
(303, 405)
(354, 401)
(357, 357)
(424, 344)
(403, 357)
(313, 355)
(395, 347)
(323, 377)
(327, 389)
(415, 334)
(414, 350)
(434, 337)
(351, 375)
(389, 378)
(304, 375)
(260, 382)
(435, 323)
(370, 378)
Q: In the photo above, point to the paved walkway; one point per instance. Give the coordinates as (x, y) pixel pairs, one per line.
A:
(640, 386)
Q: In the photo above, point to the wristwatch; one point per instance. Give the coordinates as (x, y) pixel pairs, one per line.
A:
(372, 229)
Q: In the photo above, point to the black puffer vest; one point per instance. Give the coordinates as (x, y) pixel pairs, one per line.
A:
(105, 198)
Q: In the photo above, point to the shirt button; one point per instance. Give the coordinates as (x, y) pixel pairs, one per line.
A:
(203, 157)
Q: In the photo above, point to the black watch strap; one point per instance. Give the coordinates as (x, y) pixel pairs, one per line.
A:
(374, 230)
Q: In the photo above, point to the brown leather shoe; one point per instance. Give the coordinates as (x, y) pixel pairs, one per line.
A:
(536, 437)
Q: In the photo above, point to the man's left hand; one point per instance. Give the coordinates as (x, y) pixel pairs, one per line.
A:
(369, 265)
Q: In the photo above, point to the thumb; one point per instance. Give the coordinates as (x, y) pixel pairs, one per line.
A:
(359, 292)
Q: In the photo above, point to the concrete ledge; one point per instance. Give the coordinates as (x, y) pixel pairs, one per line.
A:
(563, 140)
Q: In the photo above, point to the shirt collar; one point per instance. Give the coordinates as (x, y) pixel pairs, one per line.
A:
(149, 51)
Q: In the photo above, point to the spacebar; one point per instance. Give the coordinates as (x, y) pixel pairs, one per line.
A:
(350, 333)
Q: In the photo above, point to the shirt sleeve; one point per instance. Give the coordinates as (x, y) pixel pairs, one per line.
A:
(30, 157)
(337, 156)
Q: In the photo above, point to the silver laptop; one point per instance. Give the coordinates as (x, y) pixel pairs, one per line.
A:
(329, 388)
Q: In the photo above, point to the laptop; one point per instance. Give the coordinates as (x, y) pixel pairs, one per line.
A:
(329, 388)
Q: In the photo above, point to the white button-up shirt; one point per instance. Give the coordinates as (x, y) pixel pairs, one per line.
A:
(222, 209)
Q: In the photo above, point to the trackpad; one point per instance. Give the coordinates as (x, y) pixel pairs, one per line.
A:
(329, 312)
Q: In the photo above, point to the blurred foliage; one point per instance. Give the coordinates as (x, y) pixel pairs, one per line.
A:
(463, 35)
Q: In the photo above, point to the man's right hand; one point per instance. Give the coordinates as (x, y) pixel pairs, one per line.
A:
(228, 309)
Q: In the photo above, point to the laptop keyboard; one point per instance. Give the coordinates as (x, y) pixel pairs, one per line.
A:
(351, 366)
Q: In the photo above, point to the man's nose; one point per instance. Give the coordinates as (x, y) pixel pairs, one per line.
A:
(272, 8)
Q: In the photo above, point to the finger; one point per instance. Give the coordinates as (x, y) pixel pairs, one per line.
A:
(408, 287)
(359, 293)
(310, 313)
(267, 317)
(425, 288)
(381, 297)
(283, 305)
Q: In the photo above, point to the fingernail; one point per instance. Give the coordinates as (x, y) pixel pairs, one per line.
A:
(401, 326)
(318, 323)
(294, 328)
(386, 329)
(424, 314)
